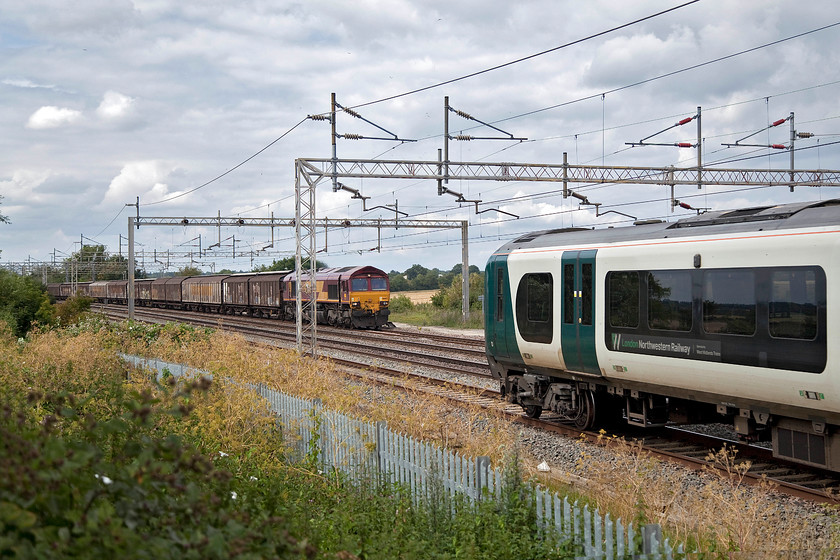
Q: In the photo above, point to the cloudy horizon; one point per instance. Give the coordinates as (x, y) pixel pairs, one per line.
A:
(107, 101)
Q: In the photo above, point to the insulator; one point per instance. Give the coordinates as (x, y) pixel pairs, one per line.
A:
(778, 146)
(804, 134)
(778, 122)
(685, 205)
(685, 145)
(579, 197)
(318, 117)
(463, 114)
(352, 113)
(351, 136)
(685, 120)
(465, 137)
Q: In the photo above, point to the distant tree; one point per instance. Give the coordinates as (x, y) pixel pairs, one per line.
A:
(398, 282)
(4, 219)
(449, 297)
(414, 271)
(93, 262)
(287, 263)
(188, 271)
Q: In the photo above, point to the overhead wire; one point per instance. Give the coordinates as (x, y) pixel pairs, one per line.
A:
(516, 116)
(524, 58)
(232, 169)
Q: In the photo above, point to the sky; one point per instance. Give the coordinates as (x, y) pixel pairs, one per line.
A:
(105, 101)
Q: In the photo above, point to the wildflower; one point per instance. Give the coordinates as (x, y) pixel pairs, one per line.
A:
(105, 480)
(233, 495)
(222, 454)
(253, 478)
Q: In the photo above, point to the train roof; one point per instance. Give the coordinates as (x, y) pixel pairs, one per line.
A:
(719, 222)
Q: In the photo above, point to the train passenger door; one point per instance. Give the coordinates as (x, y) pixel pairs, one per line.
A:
(577, 330)
(499, 311)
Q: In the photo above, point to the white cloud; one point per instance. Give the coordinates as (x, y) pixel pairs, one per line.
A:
(146, 179)
(22, 185)
(52, 117)
(115, 106)
(27, 84)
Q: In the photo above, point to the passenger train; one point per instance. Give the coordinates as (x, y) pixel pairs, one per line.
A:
(725, 316)
(351, 296)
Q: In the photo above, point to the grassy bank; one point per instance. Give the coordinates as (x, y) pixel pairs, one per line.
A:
(177, 454)
(426, 315)
(97, 460)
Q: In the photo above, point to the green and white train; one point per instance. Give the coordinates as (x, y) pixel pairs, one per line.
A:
(725, 316)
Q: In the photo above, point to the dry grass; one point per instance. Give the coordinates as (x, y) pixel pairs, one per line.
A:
(714, 511)
(474, 431)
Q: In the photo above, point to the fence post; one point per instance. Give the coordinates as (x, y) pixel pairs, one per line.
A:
(381, 426)
(651, 537)
(482, 465)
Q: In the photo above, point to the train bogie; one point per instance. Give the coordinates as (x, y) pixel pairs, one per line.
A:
(725, 316)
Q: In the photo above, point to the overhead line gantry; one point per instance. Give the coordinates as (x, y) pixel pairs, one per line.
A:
(310, 171)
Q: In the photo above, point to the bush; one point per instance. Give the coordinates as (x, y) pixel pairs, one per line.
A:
(451, 296)
(400, 304)
(23, 301)
(71, 310)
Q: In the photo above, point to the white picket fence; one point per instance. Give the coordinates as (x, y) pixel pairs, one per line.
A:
(359, 449)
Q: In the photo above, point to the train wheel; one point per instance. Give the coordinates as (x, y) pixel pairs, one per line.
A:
(585, 418)
(533, 411)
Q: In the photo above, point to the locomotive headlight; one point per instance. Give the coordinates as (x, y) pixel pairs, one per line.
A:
(355, 303)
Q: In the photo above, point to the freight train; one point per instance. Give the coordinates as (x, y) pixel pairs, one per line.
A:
(351, 296)
(727, 316)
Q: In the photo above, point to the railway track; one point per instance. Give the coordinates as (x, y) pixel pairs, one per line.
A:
(410, 360)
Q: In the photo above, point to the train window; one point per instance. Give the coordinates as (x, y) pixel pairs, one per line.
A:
(534, 313)
(624, 299)
(378, 284)
(569, 294)
(332, 291)
(669, 300)
(500, 293)
(359, 284)
(793, 305)
(729, 302)
(586, 294)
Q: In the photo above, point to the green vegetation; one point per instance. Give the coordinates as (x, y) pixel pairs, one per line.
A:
(23, 301)
(287, 263)
(421, 278)
(100, 461)
(445, 307)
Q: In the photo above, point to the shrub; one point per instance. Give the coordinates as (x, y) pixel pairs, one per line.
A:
(400, 304)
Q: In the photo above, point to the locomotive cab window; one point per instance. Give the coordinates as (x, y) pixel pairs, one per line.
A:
(359, 284)
(378, 284)
(534, 307)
